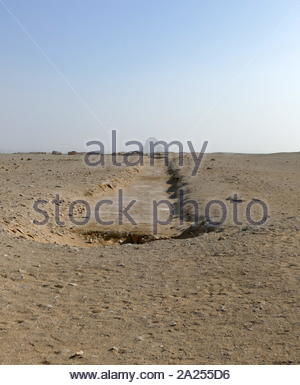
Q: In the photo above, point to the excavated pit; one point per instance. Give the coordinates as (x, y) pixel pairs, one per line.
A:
(160, 184)
(104, 238)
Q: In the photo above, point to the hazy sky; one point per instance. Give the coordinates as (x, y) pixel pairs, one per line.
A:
(218, 70)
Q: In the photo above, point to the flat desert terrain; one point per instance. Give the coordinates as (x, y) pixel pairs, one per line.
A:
(125, 294)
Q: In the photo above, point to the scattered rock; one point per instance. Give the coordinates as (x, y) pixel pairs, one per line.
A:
(113, 349)
(78, 354)
(45, 307)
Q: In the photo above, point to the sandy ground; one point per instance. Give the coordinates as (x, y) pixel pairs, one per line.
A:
(96, 295)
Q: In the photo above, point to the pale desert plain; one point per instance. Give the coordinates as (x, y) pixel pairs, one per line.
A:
(120, 294)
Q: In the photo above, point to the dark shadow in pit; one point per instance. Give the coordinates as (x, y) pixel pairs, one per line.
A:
(185, 209)
(105, 238)
(113, 237)
(179, 191)
(194, 231)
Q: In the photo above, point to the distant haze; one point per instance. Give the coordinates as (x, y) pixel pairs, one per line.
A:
(223, 71)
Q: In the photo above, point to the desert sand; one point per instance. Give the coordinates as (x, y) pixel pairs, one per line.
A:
(120, 294)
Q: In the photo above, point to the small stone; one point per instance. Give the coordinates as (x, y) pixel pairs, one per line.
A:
(42, 306)
(113, 349)
(78, 354)
(46, 362)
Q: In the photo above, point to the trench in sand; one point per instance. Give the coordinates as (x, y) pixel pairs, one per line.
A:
(150, 186)
(150, 191)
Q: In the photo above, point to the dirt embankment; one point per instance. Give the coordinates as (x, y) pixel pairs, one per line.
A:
(29, 178)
